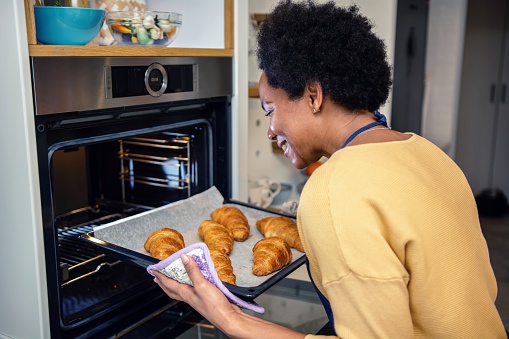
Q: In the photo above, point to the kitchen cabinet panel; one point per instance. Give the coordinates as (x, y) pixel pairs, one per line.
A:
(482, 149)
(501, 151)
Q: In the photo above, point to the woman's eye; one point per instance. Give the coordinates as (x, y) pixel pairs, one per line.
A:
(269, 113)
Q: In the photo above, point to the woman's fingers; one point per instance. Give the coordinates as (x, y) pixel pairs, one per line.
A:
(192, 269)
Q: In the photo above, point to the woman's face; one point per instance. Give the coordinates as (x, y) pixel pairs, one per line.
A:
(290, 123)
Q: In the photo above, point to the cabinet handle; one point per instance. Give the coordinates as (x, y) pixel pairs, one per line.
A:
(492, 93)
(502, 97)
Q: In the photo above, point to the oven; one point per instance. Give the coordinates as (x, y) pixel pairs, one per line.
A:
(117, 137)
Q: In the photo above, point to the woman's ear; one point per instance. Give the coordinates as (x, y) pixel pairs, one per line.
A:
(314, 93)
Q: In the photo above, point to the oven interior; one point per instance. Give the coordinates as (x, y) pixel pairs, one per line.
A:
(149, 169)
(127, 176)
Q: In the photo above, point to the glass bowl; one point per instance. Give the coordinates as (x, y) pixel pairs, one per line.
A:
(137, 28)
(67, 25)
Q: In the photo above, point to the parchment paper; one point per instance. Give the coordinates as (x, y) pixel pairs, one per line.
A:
(186, 216)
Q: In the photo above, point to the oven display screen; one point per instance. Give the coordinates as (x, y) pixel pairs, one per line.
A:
(155, 80)
(129, 81)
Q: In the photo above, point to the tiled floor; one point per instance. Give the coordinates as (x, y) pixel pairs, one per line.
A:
(496, 232)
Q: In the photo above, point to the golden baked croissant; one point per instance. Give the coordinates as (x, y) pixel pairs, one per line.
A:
(234, 220)
(269, 255)
(163, 243)
(216, 236)
(282, 227)
(223, 266)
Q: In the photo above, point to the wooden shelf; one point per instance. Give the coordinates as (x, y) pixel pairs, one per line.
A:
(120, 51)
(36, 49)
(259, 17)
(253, 92)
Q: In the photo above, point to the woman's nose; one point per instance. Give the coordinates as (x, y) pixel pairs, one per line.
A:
(271, 135)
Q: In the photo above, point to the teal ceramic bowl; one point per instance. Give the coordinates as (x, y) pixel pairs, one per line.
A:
(67, 25)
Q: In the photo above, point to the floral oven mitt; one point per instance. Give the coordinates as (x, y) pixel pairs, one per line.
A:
(173, 268)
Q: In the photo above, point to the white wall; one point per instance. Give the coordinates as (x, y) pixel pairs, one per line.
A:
(262, 161)
(23, 295)
(446, 26)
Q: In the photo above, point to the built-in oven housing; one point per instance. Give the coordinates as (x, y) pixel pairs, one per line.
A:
(116, 137)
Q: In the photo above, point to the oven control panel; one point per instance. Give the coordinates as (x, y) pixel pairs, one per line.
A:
(154, 80)
(85, 84)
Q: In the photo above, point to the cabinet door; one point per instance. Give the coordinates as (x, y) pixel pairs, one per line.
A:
(501, 151)
(476, 115)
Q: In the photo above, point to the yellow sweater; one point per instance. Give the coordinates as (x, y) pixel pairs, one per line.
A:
(393, 240)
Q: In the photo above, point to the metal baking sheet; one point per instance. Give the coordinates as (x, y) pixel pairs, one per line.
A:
(124, 238)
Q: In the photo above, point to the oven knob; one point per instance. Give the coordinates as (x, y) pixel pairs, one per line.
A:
(156, 80)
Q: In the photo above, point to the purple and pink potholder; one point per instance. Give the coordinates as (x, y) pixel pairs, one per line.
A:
(173, 268)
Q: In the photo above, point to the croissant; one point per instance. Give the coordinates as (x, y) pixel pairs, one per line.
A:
(216, 236)
(223, 266)
(282, 227)
(163, 243)
(234, 220)
(269, 255)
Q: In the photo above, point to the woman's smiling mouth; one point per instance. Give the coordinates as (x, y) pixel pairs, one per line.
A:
(283, 146)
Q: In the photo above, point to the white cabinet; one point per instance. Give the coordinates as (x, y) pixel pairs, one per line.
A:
(482, 145)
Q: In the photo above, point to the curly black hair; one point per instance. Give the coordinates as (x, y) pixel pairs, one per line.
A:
(303, 42)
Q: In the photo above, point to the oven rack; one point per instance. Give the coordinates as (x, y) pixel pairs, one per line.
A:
(161, 160)
(79, 259)
(179, 184)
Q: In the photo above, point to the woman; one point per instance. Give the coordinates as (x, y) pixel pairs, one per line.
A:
(388, 222)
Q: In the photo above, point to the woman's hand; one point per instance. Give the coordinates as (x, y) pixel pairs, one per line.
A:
(203, 296)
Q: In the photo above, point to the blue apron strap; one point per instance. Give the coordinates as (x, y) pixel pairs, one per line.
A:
(381, 120)
(325, 302)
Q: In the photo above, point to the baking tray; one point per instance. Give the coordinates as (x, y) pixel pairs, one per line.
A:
(123, 239)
